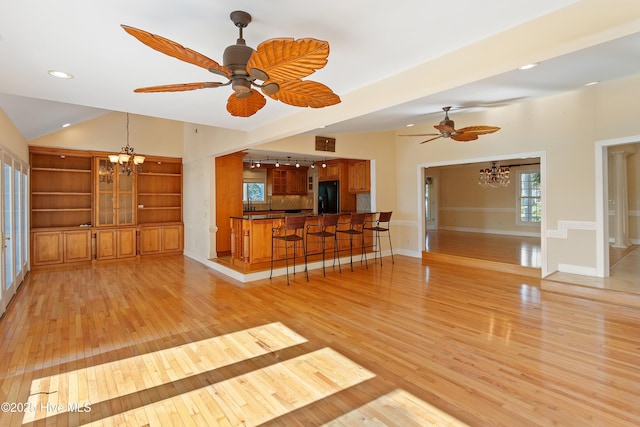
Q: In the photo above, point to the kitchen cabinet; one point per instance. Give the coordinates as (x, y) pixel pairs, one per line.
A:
(288, 181)
(228, 198)
(359, 176)
(332, 172)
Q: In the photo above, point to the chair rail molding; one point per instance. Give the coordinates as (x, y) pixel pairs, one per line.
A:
(564, 226)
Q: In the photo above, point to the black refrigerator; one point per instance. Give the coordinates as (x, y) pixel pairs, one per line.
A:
(328, 197)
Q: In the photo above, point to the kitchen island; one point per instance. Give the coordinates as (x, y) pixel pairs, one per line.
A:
(251, 240)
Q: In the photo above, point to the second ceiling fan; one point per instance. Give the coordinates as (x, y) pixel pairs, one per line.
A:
(280, 64)
(447, 130)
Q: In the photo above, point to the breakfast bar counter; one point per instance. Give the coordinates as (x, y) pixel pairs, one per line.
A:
(251, 239)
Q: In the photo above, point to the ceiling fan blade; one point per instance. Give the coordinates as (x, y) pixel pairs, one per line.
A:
(439, 136)
(285, 59)
(176, 50)
(305, 93)
(246, 106)
(464, 137)
(179, 87)
(420, 134)
(479, 130)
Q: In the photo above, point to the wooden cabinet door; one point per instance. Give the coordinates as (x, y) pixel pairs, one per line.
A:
(106, 244)
(171, 238)
(150, 240)
(279, 182)
(126, 243)
(48, 248)
(359, 176)
(302, 182)
(77, 246)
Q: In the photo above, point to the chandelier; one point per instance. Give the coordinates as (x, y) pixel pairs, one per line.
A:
(127, 158)
(496, 176)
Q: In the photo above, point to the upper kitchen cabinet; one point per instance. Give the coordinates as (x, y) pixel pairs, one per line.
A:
(334, 171)
(288, 181)
(359, 176)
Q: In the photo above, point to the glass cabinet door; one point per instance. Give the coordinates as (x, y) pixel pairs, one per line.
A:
(126, 209)
(106, 206)
(115, 195)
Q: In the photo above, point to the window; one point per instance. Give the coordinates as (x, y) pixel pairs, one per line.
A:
(253, 191)
(529, 203)
(254, 183)
(427, 197)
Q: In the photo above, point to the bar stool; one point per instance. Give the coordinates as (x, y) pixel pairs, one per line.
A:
(356, 228)
(289, 233)
(383, 218)
(328, 222)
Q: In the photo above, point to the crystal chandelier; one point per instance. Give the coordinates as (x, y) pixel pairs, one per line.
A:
(127, 158)
(496, 176)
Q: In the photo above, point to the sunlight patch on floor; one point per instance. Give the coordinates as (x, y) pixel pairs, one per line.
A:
(398, 408)
(114, 379)
(255, 397)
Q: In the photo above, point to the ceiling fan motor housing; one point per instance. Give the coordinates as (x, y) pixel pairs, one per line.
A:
(235, 58)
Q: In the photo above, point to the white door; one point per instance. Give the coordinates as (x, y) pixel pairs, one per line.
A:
(13, 225)
(8, 287)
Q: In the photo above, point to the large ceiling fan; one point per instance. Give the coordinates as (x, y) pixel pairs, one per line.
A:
(280, 64)
(447, 130)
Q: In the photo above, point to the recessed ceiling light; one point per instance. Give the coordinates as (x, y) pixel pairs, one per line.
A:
(60, 74)
(591, 83)
(66, 125)
(409, 125)
(528, 66)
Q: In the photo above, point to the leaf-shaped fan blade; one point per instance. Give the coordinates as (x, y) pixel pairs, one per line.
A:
(431, 139)
(247, 106)
(464, 137)
(286, 59)
(306, 93)
(479, 130)
(421, 134)
(176, 50)
(180, 87)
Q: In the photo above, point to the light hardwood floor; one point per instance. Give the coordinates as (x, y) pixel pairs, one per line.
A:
(526, 252)
(169, 341)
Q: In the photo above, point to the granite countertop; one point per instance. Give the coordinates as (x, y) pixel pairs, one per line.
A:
(261, 215)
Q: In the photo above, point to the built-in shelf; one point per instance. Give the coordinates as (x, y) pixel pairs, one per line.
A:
(80, 212)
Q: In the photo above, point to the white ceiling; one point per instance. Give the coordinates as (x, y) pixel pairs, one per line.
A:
(371, 42)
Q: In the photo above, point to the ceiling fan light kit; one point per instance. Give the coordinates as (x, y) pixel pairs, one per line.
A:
(447, 130)
(279, 63)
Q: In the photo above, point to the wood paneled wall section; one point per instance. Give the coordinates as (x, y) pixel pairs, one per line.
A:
(228, 198)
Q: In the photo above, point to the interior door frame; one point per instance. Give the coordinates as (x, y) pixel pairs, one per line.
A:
(422, 172)
(602, 199)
